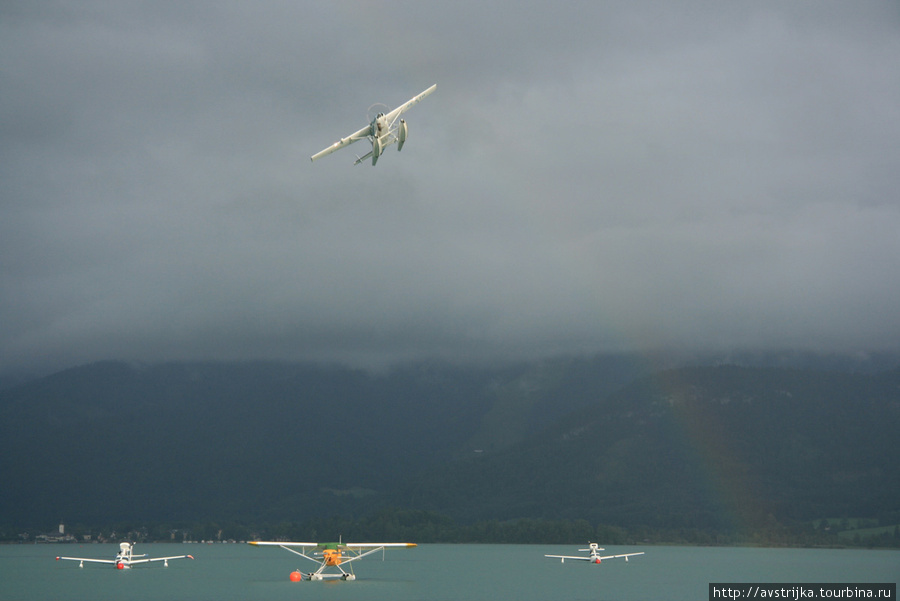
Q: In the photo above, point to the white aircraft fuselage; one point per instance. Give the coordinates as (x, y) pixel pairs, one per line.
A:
(385, 129)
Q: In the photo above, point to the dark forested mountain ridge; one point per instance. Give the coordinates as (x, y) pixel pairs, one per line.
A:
(114, 441)
(721, 448)
(111, 441)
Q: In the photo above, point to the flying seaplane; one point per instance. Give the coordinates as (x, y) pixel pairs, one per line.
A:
(383, 130)
(126, 558)
(595, 556)
(329, 555)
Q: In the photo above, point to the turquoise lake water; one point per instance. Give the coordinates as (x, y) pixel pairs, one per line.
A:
(428, 572)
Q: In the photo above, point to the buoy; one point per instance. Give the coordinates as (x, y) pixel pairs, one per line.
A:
(296, 576)
(120, 566)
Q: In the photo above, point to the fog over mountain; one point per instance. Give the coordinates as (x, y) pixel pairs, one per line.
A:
(588, 177)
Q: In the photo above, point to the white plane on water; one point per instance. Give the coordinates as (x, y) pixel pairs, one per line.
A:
(594, 556)
(126, 558)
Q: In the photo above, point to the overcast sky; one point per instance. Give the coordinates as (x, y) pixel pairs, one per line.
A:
(588, 176)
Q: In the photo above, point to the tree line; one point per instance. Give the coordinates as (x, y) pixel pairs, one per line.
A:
(425, 527)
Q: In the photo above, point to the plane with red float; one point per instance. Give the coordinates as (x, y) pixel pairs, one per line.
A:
(337, 555)
(594, 556)
(126, 558)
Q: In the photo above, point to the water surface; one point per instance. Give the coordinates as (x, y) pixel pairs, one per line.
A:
(427, 573)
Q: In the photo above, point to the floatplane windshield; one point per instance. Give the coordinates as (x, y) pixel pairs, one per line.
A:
(126, 558)
(339, 556)
(594, 556)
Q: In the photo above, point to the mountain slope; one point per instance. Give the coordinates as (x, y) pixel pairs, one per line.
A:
(112, 441)
(724, 448)
(718, 448)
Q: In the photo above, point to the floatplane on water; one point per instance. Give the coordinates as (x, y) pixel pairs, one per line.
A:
(594, 556)
(126, 558)
(331, 555)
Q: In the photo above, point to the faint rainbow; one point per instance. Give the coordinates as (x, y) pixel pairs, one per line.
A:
(728, 482)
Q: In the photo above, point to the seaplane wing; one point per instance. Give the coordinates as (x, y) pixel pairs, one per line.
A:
(165, 559)
(394, 114)
(125, 562)
(382, 131)
(360, 135)
(377, 545)
(88, 559)
(279, 544)
(625, 555)
(327, 545)
(593, 558)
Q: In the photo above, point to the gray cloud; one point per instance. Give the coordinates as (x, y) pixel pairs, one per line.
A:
(596, 176)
